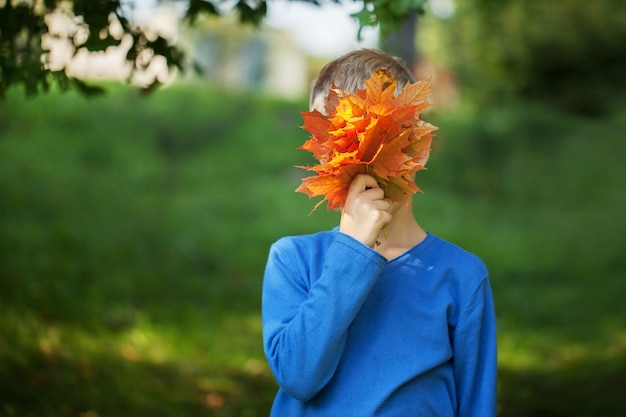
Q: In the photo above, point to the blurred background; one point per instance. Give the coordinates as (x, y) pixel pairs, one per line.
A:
(134, 228)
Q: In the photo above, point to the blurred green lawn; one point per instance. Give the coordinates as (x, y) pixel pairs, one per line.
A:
(134, 232)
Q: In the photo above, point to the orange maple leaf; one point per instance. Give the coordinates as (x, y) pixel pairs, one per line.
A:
(372, 131)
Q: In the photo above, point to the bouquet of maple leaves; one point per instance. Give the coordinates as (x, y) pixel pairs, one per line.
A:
(373, 131)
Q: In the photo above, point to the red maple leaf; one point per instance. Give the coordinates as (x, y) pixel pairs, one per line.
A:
(371, 131)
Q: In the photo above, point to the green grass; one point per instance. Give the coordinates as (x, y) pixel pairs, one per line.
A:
(134, 232)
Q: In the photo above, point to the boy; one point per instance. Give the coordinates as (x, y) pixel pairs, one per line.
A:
(358, 322)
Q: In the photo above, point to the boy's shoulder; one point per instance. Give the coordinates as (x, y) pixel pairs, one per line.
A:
(455, 256)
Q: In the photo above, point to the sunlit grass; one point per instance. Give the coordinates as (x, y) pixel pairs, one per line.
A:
(145, 366)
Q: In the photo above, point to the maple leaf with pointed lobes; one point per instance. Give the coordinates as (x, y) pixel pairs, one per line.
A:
(372, 131)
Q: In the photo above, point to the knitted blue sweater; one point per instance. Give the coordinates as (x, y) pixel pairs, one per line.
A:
(349, 334)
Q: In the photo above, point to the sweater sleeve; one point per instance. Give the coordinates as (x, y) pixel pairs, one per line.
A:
(475, 356)
(304, 329)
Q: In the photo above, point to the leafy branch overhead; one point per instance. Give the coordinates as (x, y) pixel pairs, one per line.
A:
(100, 24)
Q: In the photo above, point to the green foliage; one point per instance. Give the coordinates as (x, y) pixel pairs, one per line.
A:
(249, 11)
(23, 61)
(20, 48)
(186, 159)
(23, 26)
(387, 14)
(134, 232)
(567, 53)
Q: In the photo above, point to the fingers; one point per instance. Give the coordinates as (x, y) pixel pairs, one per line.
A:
(382, 205)
(365, 188)
(362, 182)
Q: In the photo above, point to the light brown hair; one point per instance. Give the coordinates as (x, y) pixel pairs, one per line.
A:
(350, 71)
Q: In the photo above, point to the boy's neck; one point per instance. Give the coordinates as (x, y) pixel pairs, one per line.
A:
(401, 234)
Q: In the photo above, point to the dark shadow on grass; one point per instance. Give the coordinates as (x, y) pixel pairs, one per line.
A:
(590, 388)
(111, 385)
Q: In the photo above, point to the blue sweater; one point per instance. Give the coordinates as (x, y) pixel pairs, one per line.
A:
(349, 334)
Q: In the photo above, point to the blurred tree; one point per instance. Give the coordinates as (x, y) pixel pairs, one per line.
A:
(23, 24)
(568, 53)
(400, 41)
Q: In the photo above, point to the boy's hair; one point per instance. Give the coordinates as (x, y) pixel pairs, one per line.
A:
(350, 71)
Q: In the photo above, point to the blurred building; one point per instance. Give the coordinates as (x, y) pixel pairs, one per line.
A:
(243, 57)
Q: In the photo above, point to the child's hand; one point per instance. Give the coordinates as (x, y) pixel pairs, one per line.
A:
(366, 211)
